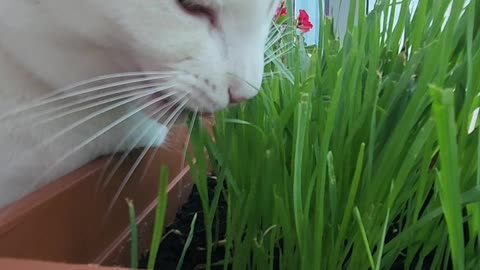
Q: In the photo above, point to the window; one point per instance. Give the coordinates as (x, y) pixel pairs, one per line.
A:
(312, 8)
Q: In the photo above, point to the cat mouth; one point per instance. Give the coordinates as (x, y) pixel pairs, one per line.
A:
(164, 108)
(171, 108)
(171, 105)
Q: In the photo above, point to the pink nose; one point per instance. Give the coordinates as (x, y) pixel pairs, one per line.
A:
(234, 99)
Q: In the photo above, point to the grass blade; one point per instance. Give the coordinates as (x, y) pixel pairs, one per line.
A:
(448, 176)
(134, 235)
(187, 243)
(159, 217)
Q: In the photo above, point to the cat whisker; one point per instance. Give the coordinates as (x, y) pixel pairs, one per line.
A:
(189, 135)
(271, 74)
(151, 89)
(163, 110)
(64, 93)
(241, 80)
(130, 90)
(125, 180)
(275, 29)
(113, 76)
(152, 157)
(278, 53)
(104, 110)
(107, 128)
(134, 129)
(275, 38)
(272, 55)
(283, 26)
(283, 45)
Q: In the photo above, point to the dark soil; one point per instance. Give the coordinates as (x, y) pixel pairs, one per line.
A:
(176, 235)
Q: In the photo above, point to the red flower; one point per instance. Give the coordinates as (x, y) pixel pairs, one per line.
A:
(281, 11)
(304, 23)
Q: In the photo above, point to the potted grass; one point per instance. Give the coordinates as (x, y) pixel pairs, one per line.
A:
(363, 153)
(73, 219)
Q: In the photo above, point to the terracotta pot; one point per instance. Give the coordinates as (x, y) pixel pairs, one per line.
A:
(68, 220)
(38, 265)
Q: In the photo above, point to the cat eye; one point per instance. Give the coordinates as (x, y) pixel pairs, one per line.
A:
(197, 8)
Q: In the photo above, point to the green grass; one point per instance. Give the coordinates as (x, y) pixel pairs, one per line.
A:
(187, 243)
(160, 212)
(134, 235)
(356, 140)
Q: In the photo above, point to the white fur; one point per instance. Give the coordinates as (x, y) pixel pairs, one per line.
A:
(48, 44)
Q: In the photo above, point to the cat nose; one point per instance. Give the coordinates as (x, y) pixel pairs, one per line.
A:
(232, 98)
(239, 91)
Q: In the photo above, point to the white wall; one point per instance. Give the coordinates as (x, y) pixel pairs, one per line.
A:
(340, 8)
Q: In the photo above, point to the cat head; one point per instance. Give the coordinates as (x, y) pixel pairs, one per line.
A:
(217, 46)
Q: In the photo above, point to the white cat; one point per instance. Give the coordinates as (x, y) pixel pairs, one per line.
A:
(196, 54)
